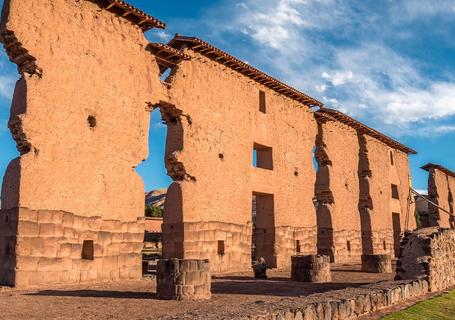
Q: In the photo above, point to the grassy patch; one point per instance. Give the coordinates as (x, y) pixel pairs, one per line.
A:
(439, 308)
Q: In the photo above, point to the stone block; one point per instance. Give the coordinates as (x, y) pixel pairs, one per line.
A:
(45, 216)
(379, 263)
(68, 220)
(46, 229)
(28, 229)
(36, 245)
(28, 215)
(27, 263)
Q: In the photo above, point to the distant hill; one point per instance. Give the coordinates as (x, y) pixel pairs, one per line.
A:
(156, 198)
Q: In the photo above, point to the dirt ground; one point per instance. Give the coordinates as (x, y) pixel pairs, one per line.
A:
(232, 295)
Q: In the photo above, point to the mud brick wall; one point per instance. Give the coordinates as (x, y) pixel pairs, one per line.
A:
(215, 149)
(68, 162)
(441, 190)
(358, 189)
(337, 192)
(43, 248)
(387, 215)
(429, 254)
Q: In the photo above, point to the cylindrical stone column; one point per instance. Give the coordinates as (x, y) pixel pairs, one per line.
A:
(183, 279)
(311, 268)
(377, 263)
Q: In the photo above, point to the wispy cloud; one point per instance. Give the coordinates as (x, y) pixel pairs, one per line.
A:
(6, 86)
(8, 77)
(3, 126)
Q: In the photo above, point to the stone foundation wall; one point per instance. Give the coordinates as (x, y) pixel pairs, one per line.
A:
(428, 254)
(40, 248)
(277, 245)
(286, 242)
(382, 241)
(343, 246)
(201, 240)
(205, 240)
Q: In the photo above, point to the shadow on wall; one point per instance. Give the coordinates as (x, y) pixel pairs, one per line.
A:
(365, 201)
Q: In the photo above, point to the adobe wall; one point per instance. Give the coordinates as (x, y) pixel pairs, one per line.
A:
(356, 211)
(428, 254)
(384, 236)
(80, 119)
(222, 122)
(441, 188)
(337, 192)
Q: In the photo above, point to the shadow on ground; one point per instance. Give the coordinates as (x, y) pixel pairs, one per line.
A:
(96, 294)
(278, 287)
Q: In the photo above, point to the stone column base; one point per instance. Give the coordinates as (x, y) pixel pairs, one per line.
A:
(183, 279)
(311, 268)
(377, 263)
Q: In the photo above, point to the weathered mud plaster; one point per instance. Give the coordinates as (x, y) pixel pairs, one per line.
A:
(214, 210)
(388, 215)
(358, 188)
(80, 120)
(441, 190)
(337, 192)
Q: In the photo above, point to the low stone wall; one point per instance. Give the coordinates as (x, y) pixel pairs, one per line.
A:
(41, 248)
(428, 254)
(351, 307)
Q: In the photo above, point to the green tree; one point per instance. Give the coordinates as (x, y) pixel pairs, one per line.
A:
(153, 211)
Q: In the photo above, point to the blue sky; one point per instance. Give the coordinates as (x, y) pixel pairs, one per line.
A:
(387, 63)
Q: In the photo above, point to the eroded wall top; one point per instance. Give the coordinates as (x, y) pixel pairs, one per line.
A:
(441, 191)
(83, 112)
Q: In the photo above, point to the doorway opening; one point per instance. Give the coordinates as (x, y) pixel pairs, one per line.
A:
(263, 217)
(396, 222)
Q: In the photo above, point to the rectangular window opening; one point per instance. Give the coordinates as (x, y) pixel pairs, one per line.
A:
(348, 244)
(88, 250)
(392, 161)
(395, 193)
(262, 157)
(262, 102)
(221, 247)
(298, 248)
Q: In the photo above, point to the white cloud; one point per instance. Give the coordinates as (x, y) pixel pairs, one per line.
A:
(6, 86)
(163, 35)
(338, 78)
(414, 9)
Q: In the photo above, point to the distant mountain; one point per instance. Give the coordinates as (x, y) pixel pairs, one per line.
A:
(156, 198)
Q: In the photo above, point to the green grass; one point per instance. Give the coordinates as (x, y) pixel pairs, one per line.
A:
(439, 308)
